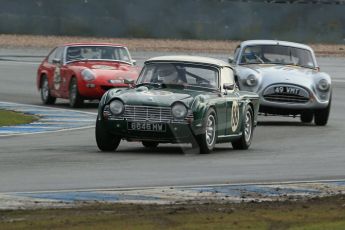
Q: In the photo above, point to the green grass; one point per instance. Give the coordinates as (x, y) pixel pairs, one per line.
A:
(314, 214)
(9, 118)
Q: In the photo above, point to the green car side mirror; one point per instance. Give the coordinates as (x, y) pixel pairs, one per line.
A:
(228, 86)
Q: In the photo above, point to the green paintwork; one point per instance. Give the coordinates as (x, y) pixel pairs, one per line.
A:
(199, 101)
(216, 110)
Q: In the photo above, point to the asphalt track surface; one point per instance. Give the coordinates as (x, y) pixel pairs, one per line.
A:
(283, 149)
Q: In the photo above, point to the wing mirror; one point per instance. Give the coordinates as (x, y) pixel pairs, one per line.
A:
(228, 86)
(134, 62)
(231, 60)
(129, 82)
(56, 61)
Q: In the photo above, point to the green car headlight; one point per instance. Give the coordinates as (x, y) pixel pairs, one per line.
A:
(116, 107)
(179, 111)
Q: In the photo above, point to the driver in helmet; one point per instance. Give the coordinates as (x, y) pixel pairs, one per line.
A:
(73, 53)
(168, 74)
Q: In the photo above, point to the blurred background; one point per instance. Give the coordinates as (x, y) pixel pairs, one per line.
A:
(312, 21)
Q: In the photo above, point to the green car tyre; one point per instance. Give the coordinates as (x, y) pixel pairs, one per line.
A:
(207, 140)
(248, 128)
(105, 141)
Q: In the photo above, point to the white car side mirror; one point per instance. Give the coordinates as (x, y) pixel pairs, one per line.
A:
(231, 60)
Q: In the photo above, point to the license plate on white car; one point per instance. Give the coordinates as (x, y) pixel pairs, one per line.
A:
(286, 90)
(145, 126)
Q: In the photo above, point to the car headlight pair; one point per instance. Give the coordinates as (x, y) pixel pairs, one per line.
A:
(323, 85)
(251, 80)
(88, 75)
(178, 110)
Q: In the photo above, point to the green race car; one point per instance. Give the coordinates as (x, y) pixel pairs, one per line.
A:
(179, 99)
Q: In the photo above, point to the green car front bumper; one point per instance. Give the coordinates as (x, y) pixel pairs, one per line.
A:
(158, 132)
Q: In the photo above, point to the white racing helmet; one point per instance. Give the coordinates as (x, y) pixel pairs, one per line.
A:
(167, 73)
(73, 53)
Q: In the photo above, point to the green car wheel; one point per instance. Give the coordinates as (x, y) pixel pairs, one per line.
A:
(207, 140)
(105, 141)
(248, 128)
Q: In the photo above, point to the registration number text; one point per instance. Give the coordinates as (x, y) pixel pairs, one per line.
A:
(286, 90)
(143, 126)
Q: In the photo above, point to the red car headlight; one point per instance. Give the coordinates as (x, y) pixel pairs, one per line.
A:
(88, 75)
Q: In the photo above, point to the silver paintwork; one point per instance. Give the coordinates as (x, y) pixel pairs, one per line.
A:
(269, 75)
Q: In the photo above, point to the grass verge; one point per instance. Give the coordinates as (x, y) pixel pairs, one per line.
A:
(9, 118)
(313, 214)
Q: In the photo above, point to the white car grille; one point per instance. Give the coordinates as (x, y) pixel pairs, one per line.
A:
(286, 94)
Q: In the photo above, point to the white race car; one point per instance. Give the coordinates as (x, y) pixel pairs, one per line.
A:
(287, 78)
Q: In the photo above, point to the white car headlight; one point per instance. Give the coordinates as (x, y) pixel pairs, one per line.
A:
(88, 75)
(323, 85)
(116, 107)
(179, 111)
(251, 80)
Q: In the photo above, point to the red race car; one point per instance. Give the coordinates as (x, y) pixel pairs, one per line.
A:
(79, 71)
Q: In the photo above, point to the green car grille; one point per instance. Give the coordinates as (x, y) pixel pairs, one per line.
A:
(147, 114)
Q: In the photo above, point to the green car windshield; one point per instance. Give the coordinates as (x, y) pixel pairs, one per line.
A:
(179, 74)
(277, 54)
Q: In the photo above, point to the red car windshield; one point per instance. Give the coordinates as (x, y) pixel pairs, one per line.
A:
(108, 53)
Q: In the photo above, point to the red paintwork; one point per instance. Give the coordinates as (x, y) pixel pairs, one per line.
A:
(67, 71)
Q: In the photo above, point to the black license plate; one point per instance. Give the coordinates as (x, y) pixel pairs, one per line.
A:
(286, 90)
(144, 126)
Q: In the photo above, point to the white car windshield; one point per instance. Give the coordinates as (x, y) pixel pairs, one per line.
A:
(179, 74)
(277, 54)
(106, 53)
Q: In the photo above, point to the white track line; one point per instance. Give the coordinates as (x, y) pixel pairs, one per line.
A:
(182, 186)
(48, 109)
